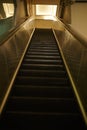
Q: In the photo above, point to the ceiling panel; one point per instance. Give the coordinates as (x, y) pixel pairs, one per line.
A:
(49, 2)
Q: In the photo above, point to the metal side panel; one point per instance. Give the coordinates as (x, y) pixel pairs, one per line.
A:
(75, 54)
(11, 53)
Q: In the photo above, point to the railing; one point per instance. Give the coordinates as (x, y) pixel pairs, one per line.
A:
(74, 51)
(12, 50)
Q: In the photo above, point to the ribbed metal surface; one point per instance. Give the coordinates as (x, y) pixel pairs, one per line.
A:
(42, 96)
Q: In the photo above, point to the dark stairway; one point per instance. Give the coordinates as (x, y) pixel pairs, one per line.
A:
(42, 96)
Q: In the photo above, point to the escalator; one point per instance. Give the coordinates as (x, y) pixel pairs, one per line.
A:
(42, 96)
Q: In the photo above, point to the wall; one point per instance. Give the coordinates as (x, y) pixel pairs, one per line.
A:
(20, 12)
(79, 17)
(67, 14)
(43, 23)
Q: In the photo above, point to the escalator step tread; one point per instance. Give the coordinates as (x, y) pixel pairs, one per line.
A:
(43, 53)
(35, 91)
(41, 80)
(42, 57)
(42, 66)
(38, 104)
(42, 73)
(42, 121)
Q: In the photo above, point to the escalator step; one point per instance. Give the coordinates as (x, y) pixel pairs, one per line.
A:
(42, 91)
(43, 61)
(38, 104)
(44, 73)
(42, 57)
(43, 45)
(46, 50)
(42, 66)
(33, 120)
(43, 48)
(44, 53)
(41, 80)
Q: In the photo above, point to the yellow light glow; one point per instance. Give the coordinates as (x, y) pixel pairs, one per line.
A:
(46, 10)
(9, 9)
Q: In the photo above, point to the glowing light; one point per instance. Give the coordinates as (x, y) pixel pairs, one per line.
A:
(46, 10)
(9, 9)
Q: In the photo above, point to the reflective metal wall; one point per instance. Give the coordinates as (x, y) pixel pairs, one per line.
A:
(75, 54)
(11, 52)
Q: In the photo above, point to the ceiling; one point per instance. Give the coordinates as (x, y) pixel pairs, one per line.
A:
(49, 2)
